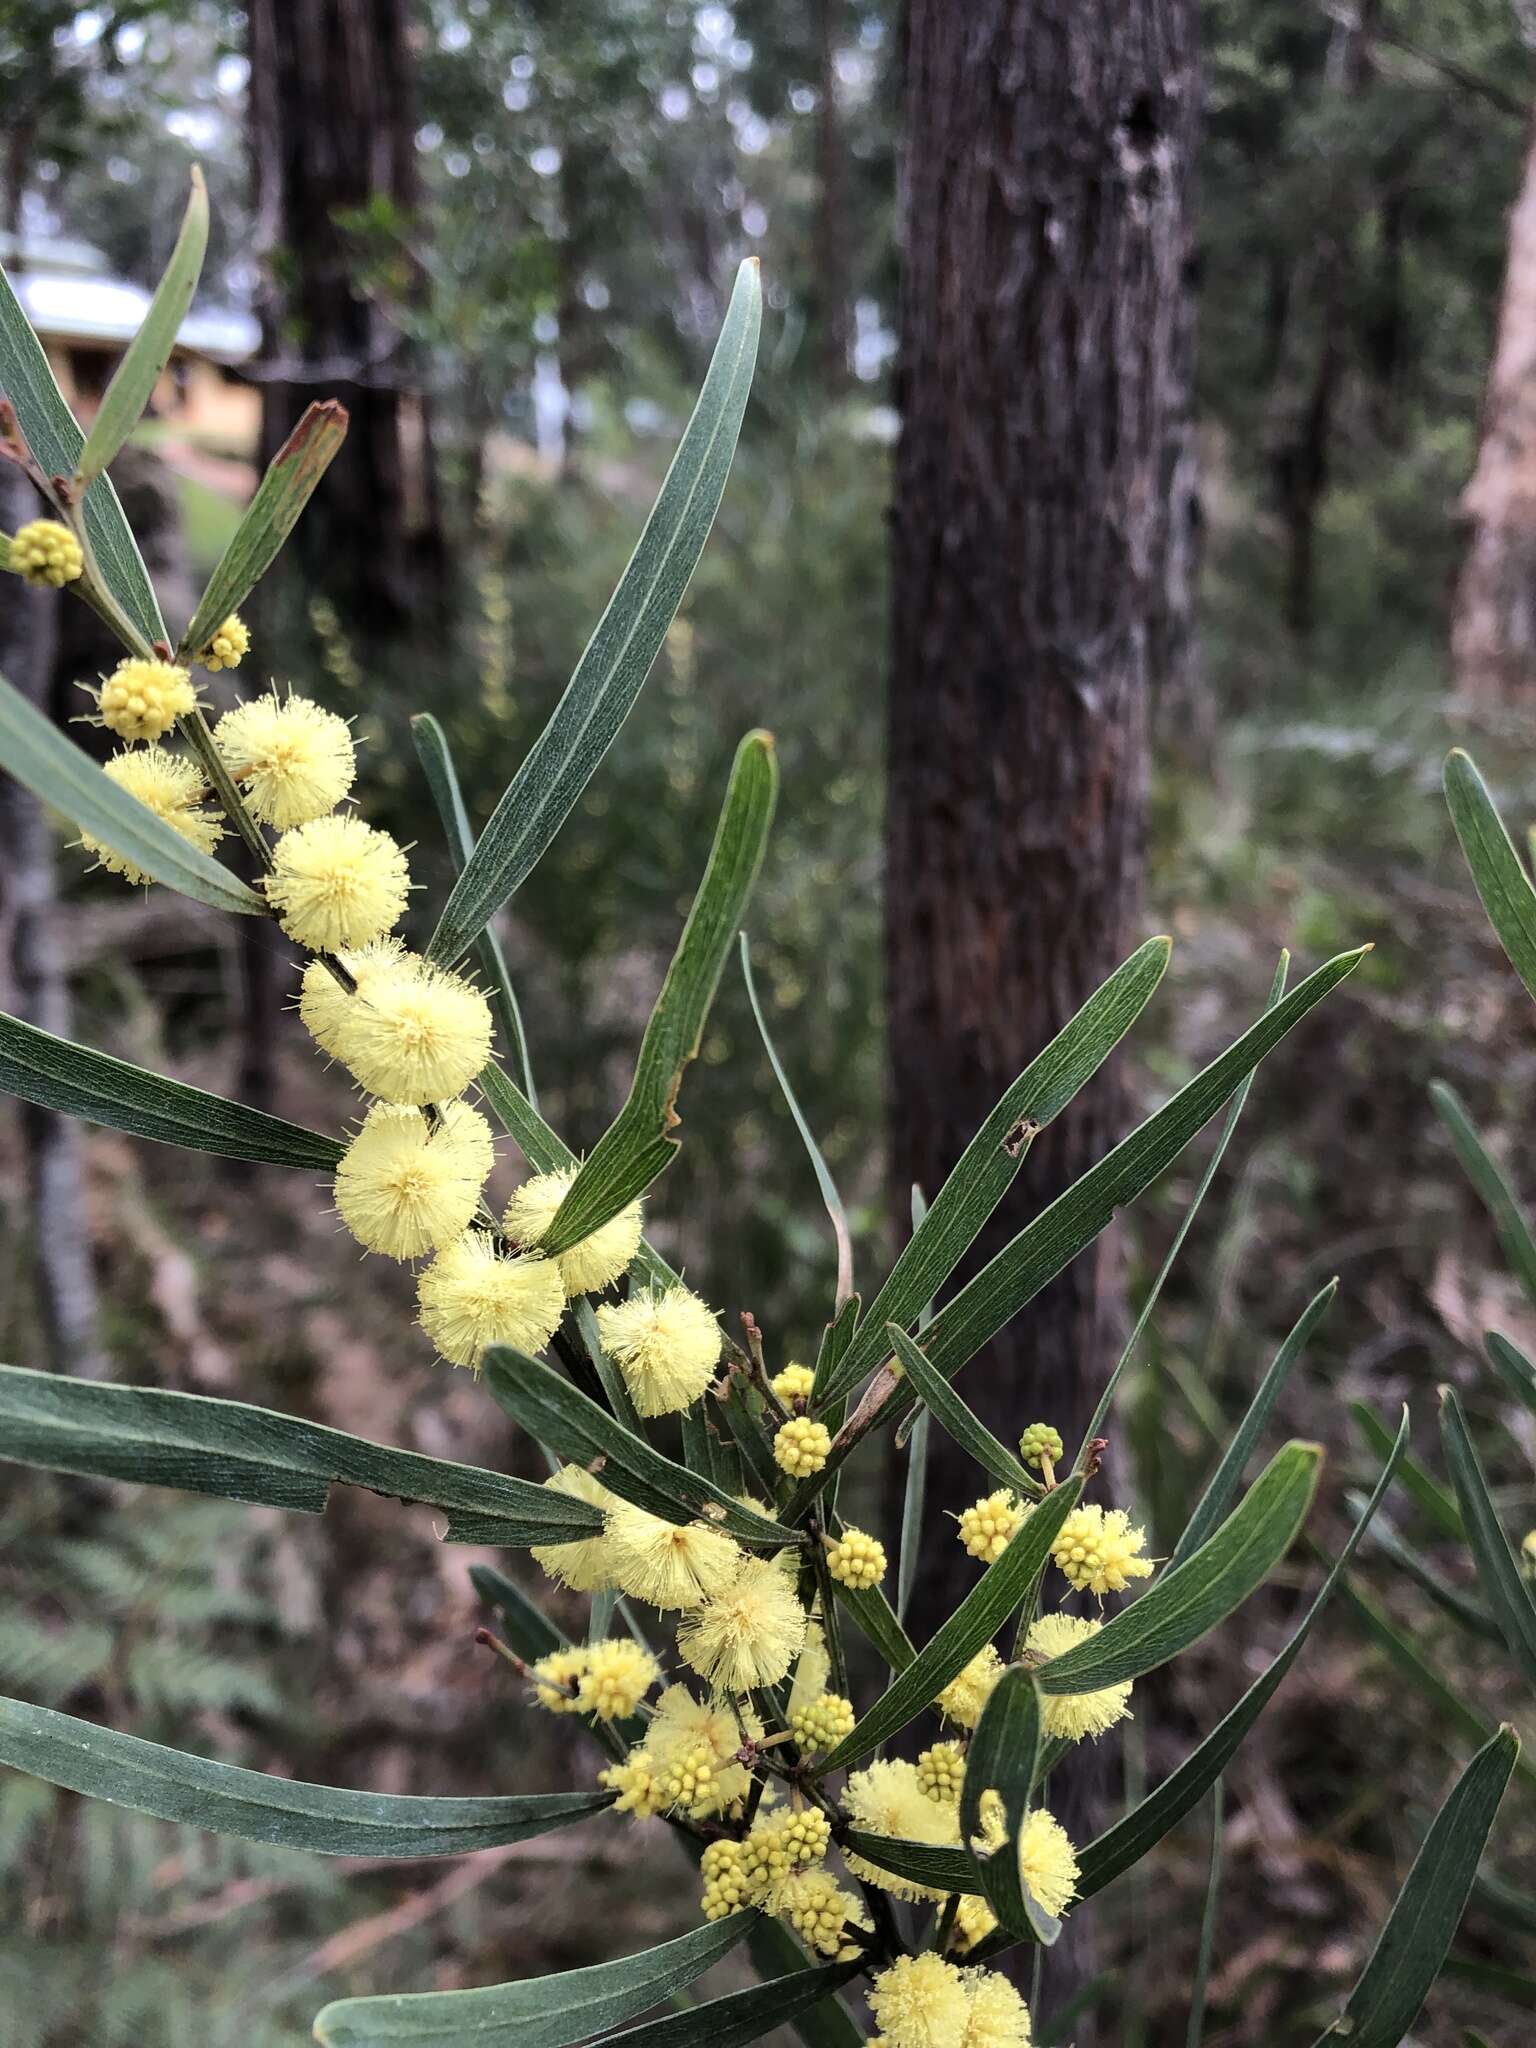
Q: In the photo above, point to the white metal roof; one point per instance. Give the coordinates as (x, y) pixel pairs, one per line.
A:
(67, 296)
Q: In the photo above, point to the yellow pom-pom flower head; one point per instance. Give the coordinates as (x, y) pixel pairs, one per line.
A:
(968, 1691)
(585, 1565)
(801, 1446)
(998, 2017)
(635, 1782)
(556, 1680)
(470, 1296)
(1069, 1716)
(988, 1527)
(46, 553)
(973, 1923)
(1047, 1860)
(749, 1633)
(794, 1383)
(820, 1911)
(326, 1005)
(170, 787)
(726, 1888)
(694, 1743)
(665, 1342)
(594, 1262)
(416, 1035)
(226, 646)
(921, 2002)
(293, 759)
(887, 1798)
(856, 1559)
(405, 1186)
(668, 1564)
(337, 882)
(143, 698)
(1099, 1552)
(823, 1722)
(941, 1772)
(617, 1675)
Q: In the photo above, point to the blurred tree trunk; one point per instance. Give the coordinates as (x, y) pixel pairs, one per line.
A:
(33, 986)
(1493, 630)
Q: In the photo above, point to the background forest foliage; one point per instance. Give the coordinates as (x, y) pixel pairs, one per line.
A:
(581, 180)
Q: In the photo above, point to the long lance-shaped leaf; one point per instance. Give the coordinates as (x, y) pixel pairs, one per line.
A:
(144, 359)
(561, 1417)
(832, 1201)
(1002, 1587)
(1513, 1368)
(1423, 1921)
(436, 758)
(1043, 1248)
(1139, 1831)
(775, 1952)
(1450, 1599)
(641, 1143)
(58, 1074)
(56, 441)
(1422, 1488)
(534, 2012)
(1001, 1759)
(1491, 1185)
(986, 1168)
(328, 1820)
(287, 487)
(618, 657)
(1501, 879)
(1228, 1475)
(957, 1418)
(39, 756)
(1193, 1598)
(236, 1452)
(741, 2018)
(1497, 1567)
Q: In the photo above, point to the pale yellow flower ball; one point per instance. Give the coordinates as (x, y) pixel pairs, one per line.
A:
(856, 1560)
(725, 1880)
(974, 1921)
(801, 1446)
(293, 759)
(1099, 1552)
(405, 1187)
(823, 1722)
(556, 1680)
(1047, 1861)
(46, 553)
(227, 645)
(170, 787)
(749, 1633)
(592, 1263)
(616, 1677)
(794, 1383)
(325, 1006)
(635, 1782)
(337, 882)
(142, 699)
(920, 2002)
(968, 1691)
(779, 1844)
(1070, 1716)
(586, 1564)
(416, 1035)
(999, 2018)
(470, 1297)
(987, 1528)
(667, 1564)
(887, 1798)
(941, 1772)
(819, 1909)
(694, 1744)
(665, 1342)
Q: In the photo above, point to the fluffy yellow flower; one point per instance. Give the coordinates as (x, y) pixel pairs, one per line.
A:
(586, 1565)
(725, 1881)
(794, 1383)
(592, 1263)
(337, 882)
(1047, 1862)
(46, 553)
(856, 1560)
(170, 787)
(470, 1297)
(819, 1910)
(636, 1784)
(941, 1772)
(665, 1342)
(974, 1921)
(990, 1526)
(1070, 1716)
(325, 1006)
(749, 1633)
(417, 1035)
(142, 699)
(403, 1187)
(669, 1564)
(968, 1691)
(999, 2018)
(920, 2002)
(616, 1677)
(227, 645)
(887, 1798)
(1099, 1551)
(294, 759)
(556, 1680)
(694, 1744)
(823, 1722)
(800, 1447)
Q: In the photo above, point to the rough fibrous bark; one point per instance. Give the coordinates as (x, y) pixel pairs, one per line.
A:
(1493, 634)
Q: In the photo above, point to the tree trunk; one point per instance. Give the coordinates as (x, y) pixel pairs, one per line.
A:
(332, 133)
(33, 986)
(1493, 631)
(1048, 144)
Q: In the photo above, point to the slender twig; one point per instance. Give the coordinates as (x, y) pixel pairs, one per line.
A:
(944, 1926)
(828, 1598)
